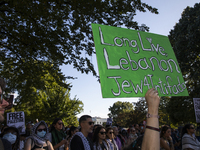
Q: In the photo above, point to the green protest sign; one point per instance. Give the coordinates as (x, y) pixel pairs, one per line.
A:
(130, 62)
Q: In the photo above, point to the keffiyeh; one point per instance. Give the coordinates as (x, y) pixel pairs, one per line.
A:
(40, 141)
(84, 140)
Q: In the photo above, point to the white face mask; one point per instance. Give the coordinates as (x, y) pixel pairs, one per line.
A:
(10, 137)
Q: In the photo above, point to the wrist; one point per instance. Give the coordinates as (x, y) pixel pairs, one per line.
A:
(153, 111)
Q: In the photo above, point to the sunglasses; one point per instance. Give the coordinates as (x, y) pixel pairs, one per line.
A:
(40, 130)
(60, 123)
(191, 128)
(90, 123)
(102, 133)
(111, 132)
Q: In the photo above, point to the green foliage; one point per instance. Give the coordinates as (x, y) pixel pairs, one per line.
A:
(126, 113)
(185, 40)
(52, 102)
(140, 110)
(55, 32)
(37, 37)
(118, 110)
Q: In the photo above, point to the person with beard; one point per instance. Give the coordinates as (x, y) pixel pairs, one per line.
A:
(38, 139)
(4, 144)
(80, 140)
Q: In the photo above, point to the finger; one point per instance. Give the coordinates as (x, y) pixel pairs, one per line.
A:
(150, 91)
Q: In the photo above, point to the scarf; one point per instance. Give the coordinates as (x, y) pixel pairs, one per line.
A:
(112, 144)
(84, 140)
(57, 136)
(38, 140)
(190, 142)
(99, 146)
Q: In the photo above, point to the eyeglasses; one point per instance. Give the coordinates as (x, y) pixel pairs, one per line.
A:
(40, 130)
(111, 132)
(102, 133)
(90, 123)
(60, 123)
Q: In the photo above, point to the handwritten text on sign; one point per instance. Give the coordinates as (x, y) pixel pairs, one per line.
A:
(131, 62)
(16, 119)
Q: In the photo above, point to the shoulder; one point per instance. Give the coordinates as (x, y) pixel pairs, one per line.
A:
(186, 137)
(162, 141)
(76, 138)
(29, 140)
(7, 145)
(76, 143)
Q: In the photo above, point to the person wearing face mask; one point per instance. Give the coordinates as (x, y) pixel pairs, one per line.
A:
(38, 139)
(12, 135)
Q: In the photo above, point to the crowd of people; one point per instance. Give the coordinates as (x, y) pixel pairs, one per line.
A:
(87, 136)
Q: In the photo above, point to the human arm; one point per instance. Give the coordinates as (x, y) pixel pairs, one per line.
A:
(49, 145)
(60, 144)
(27, 145)
(67, 145)
(151, 137)
(164, 145)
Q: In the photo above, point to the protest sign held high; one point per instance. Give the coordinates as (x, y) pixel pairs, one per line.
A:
(197, 109)
(130, 62)
(16, 119)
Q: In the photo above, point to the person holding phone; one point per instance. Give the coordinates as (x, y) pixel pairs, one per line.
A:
(59, 138)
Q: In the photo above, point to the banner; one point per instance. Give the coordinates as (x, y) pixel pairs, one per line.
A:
(130, 62)
(197, 108)
(17, 120)
(109, 121)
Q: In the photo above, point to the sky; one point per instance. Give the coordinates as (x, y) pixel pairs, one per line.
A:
(87, 89)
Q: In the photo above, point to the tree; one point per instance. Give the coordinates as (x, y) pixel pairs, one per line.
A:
(140, 110)
(185, 40)
(53, 102)
(118, 110)
(56, 32)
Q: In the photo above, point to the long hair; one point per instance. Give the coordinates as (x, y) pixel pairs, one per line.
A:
(15, 146)
(108, 129)
(72, 128)
(184, 129)
(54, 123)
(163, 130)
(96, 136)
